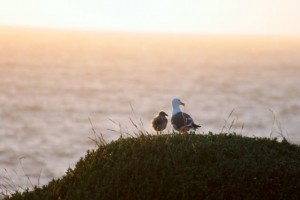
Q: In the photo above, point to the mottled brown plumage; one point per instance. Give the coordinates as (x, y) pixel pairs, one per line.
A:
(159, 123)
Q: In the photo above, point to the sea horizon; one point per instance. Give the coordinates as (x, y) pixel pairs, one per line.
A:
(52, 82)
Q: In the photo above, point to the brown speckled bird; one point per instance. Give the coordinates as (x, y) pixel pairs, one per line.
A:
(159, 123)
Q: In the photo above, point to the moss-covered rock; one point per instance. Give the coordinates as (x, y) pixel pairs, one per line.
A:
(176, 166)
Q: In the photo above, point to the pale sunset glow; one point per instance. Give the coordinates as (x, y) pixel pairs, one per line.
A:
(78, 74)
(262, 17)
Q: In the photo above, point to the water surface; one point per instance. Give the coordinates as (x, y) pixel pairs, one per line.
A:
(52, 82)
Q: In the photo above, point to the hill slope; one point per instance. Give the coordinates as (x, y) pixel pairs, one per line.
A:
(181, 167)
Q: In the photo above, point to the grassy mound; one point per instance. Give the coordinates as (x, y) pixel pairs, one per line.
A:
(181, 167)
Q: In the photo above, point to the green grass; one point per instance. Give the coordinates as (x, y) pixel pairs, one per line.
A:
(175, 166)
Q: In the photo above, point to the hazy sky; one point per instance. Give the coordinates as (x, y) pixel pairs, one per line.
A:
(196, 16)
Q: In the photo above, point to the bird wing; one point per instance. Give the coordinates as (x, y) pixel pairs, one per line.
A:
(181, 119)
(159, 123)
(188, 119)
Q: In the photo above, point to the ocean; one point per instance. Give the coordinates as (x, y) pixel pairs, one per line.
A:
(57, 85)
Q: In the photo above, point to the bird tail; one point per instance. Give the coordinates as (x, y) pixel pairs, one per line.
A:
(195, 126)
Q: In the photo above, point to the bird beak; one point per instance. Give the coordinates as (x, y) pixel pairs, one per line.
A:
(182, 104)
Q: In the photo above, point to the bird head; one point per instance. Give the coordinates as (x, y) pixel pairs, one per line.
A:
(176, 102)
(162, 114)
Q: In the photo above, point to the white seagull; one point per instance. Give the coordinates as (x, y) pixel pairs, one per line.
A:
(181, 121)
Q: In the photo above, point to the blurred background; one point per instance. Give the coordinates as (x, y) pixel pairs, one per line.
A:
(63, 63)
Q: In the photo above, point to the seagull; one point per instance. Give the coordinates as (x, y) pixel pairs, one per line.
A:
(159, 123)
(181, 121)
